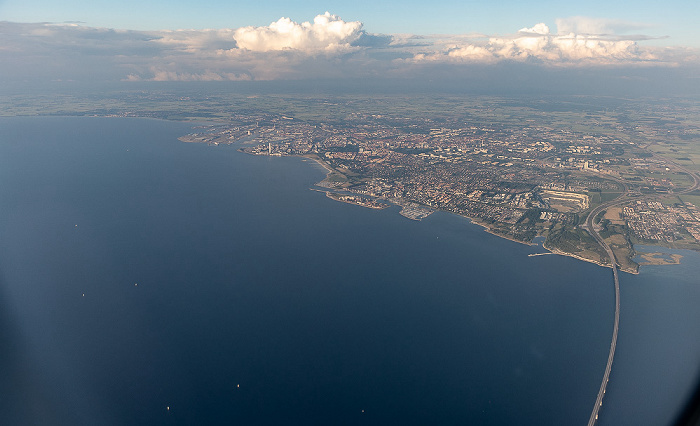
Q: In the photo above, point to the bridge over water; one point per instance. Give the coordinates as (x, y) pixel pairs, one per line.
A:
(622, 199)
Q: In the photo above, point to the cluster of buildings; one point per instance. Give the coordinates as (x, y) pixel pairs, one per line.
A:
(488, 174)
(517, 178)
(654, 221)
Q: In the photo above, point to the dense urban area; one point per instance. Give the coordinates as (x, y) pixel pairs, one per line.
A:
(519, 180)
(522, 168)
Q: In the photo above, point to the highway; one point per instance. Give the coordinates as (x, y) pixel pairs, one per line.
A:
(613, 263)
(622, 199)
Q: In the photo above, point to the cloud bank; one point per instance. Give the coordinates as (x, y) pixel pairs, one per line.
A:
(327, 47)
(539, 44)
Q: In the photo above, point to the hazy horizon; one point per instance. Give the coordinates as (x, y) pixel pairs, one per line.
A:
(572, 54)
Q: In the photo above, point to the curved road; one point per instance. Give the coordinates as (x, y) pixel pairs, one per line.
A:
(613, 263)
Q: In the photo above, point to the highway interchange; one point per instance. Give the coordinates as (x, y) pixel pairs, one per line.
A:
(624, 198)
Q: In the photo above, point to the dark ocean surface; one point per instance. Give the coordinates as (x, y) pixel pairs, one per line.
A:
(145, 281)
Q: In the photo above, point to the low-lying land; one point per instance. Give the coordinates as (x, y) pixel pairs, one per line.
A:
(519, 167)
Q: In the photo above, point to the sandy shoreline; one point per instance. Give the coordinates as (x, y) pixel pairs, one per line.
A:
(323, 164)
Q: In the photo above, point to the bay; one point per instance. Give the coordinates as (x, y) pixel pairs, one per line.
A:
(148, 281)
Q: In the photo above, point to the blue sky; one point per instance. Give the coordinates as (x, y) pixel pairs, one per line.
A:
(218, 40)
(674, 19)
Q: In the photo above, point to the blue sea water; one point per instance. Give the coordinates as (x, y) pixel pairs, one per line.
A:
(148, 281)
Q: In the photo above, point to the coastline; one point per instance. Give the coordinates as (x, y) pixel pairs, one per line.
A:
(356, 200)
(490, 231)
(486, 226)
(551, 250)
(318, 160)
(575, 256)
(647, 301)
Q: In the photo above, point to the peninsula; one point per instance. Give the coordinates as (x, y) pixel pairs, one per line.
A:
(519, 178)
(521, 167)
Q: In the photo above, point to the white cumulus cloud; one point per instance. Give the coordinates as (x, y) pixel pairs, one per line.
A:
(539, 44)
(540, 28)
(327, 47)
(327, 32)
